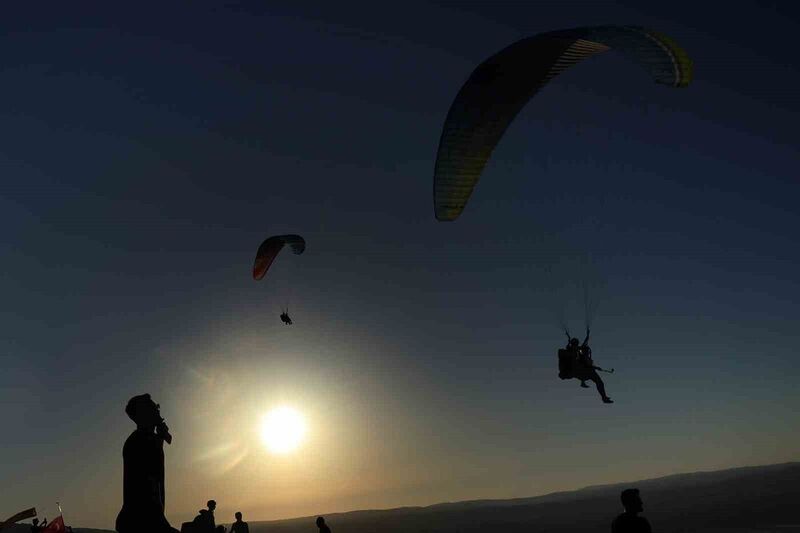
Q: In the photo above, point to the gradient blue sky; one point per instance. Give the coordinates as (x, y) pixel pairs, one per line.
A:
(147, 150)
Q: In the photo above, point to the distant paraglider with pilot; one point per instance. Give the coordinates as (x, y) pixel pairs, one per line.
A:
(266, 255)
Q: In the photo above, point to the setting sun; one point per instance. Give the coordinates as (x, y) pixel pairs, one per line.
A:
(282, 430)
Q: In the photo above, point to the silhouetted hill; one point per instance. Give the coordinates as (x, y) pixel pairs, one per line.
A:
(760, 498)
(763, 499)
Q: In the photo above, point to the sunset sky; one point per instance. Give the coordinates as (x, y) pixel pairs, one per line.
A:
(147, 151)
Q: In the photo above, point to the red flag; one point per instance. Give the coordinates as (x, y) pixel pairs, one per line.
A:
(56, 526)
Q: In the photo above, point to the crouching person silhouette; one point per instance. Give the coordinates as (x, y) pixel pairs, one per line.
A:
(143, 470)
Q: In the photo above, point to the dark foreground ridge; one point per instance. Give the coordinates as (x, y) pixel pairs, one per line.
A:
(759, 499)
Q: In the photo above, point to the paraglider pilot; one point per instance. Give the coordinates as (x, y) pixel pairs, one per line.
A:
(583, 367)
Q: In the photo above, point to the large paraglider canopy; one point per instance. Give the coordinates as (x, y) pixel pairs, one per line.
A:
(270, 249)
(22, 515)
(500, 87)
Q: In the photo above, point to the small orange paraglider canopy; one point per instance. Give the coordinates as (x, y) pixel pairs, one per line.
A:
(270, 249)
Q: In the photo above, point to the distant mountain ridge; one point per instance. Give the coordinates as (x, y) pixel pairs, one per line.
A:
(743, 499)
(699, 476)
(748, 499)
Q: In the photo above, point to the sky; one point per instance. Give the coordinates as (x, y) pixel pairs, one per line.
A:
(147, 150)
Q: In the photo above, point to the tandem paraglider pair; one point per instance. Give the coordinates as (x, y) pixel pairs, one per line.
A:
(500, 87)
(575, 361)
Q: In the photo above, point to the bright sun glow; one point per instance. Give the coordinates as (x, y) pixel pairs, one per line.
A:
(282, 430)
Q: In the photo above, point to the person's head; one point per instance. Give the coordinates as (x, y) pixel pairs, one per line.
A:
(320, 521)
(574, 342)
(238, 516)
(35, 521)
(631, 501)
(211, 504)
(144, 411)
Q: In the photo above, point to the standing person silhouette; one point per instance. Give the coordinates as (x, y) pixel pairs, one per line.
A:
(239, 526)
(630, 521)
(323, 527)
(204, 521)
(143, 495)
